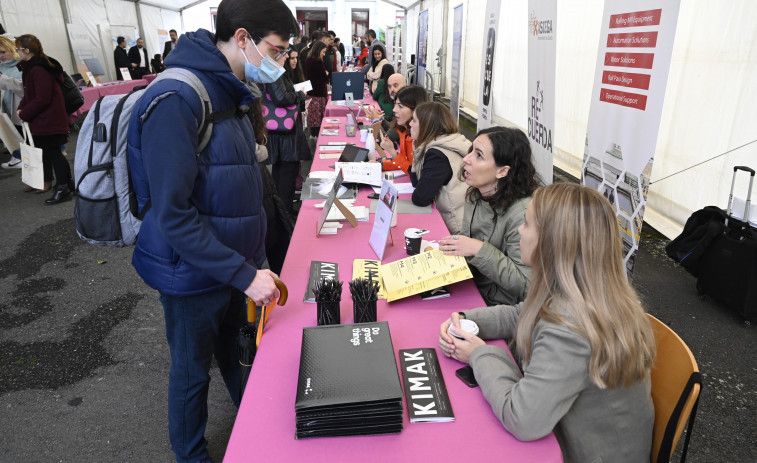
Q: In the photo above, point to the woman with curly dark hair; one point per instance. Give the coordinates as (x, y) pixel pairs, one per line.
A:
(501, 178)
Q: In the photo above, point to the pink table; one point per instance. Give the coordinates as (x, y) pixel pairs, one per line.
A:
(265, 425)
(336, 110)
(92, 94)
(150, 77)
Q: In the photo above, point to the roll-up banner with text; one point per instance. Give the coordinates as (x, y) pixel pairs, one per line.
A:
(422, 52)
(542, 43)
(491, 23)
(457, 41)
(635, 46)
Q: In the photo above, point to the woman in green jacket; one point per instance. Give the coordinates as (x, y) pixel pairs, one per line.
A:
(381, 95)
(501, 178)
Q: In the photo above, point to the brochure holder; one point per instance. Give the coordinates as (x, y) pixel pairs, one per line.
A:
(333, 200)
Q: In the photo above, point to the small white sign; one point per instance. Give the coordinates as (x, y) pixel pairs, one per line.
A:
(383, 218)
(368, 173)
(92, 79)
(125, 74)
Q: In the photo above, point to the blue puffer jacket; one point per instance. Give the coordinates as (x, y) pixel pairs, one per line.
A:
(206, 226)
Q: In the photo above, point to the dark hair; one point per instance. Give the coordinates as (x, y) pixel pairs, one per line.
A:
(295, 74)
(510, 147)
(315, 50)
(331, 33)
(258, 121)
(259, 18)
(120, 40)
(410, 97)
(435, 119)
(157, 56)
(34, 46)
(174, 31)
(371, 33)
(337, 40)
(375, 63)
(315, 35)
(386, 72)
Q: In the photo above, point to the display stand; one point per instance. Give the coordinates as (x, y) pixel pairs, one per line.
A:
(333, 200)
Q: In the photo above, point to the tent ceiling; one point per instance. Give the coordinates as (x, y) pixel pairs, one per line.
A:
(175, 5)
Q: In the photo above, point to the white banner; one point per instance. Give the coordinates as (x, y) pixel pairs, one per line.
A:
(457, 41)
(542, 50)
(636, 43)
(491, 23)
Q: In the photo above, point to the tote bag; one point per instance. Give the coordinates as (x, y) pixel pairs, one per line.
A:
(8, 133)
(31, 160)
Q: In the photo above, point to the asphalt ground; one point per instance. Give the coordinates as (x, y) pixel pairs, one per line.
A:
(84, 362)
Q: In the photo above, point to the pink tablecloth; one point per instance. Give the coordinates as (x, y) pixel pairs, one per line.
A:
(338, 110)
(150, 77)
(265, 425)
(91, 94)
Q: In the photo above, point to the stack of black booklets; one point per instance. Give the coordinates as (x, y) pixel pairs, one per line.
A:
(348, 383)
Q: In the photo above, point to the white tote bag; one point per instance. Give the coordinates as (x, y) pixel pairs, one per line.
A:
(8, 133)
(31, 159)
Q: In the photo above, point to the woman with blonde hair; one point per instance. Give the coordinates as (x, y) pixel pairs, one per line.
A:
(582, 336)
(437, 158)
(11, 91)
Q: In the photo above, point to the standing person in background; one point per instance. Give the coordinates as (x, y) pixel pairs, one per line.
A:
(171, 44)
(287, 144)
(329, 60)
(319, 78)
(373, 42)
(437, 159)
(44, 109)
(121, 58)
(401, 157)
(340, 48)
(11, 92)
(378, 61)
(363, 57)
(584, 344)
(139, 60)
(202, 241)
(501, 178)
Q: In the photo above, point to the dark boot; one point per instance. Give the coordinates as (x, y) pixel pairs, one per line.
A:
(62, 193)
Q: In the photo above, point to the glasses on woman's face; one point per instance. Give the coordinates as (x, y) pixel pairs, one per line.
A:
(20, 49)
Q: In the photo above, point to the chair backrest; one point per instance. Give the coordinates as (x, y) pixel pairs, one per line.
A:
(676, 383)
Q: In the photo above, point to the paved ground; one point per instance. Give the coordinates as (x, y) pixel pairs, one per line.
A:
(84, 363)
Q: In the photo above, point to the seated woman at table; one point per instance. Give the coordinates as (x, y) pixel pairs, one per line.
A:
(437, 159)
(316, 71)
(501, 178)
(404, 106)
(582, 336)
(378, 61)
(381, 95)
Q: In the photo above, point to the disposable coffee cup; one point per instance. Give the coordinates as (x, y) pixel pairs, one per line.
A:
(413, 238)
(467, 325)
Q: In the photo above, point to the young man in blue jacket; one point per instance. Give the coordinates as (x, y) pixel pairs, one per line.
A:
(201, 244)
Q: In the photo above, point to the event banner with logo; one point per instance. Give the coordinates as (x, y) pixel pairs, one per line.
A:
(421, 56)
(491, 23)
(541, 83)
(635, 46)
(457, 42)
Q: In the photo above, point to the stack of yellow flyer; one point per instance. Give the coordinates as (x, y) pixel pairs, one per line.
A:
(422, 272)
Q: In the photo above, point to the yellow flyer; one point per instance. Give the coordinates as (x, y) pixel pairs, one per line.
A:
(422, 272)
(370, 269)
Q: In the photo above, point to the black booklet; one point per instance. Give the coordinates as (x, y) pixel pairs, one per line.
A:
(348, 382)
(426, 393)
(318, 270)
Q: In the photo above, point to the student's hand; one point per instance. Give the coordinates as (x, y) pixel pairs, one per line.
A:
(388, 146)
(373, 113)
(465, 347)
(446, 343)
(263, 288)
(460, 245)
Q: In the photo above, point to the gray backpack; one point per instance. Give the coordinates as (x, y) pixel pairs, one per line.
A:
(106, 206)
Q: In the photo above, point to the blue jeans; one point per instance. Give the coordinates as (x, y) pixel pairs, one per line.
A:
(198, 327)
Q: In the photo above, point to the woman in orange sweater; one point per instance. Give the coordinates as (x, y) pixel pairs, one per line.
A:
(404, 107)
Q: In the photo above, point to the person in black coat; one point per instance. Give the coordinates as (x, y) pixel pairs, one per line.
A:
(171, 44)
(287, 144)
(121, 58)
(139, 59)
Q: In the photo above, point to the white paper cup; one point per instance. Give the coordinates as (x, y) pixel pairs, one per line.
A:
(467, 325)
(363, 135)
(413, 238)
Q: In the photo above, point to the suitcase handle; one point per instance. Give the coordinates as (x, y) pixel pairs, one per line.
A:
(748, 195)
(744, 168)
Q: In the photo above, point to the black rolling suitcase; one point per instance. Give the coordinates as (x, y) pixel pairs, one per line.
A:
(728, 266)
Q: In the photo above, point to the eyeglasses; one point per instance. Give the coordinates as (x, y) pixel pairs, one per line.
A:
(22, 48)
(281, 51)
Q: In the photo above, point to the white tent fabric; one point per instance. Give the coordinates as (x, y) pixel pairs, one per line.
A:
(42, 18)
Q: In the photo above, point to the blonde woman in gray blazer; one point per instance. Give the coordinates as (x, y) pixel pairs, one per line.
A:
(582, 336)
(501, 178)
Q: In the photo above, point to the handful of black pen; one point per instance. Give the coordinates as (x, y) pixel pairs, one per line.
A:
(364, 296)
(328, 295)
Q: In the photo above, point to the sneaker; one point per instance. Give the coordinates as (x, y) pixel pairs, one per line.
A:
(12, 164)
